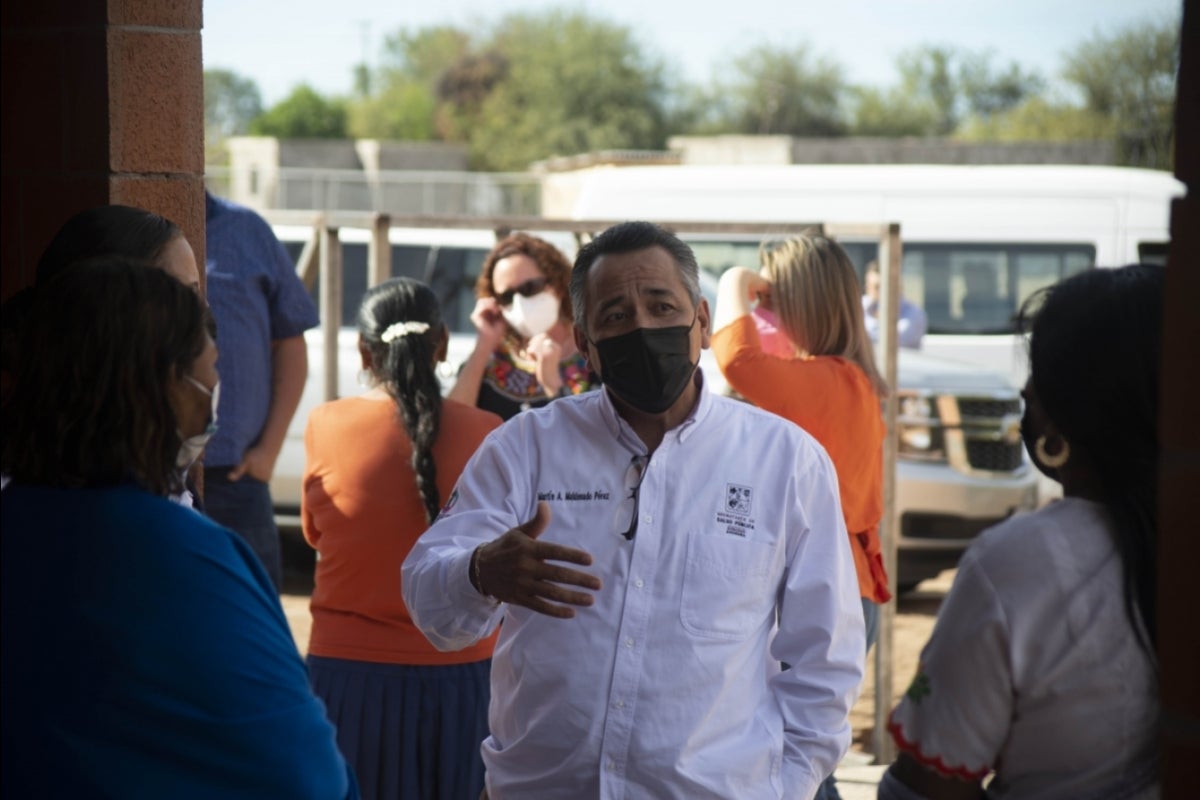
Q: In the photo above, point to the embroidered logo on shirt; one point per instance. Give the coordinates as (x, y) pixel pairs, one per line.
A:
(735, 511)
(737, 498)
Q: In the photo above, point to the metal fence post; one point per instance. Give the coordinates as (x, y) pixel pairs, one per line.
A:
(331, 305)
(379, 251)
(889, 307)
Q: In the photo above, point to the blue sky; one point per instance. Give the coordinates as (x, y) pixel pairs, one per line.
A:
(318, 42)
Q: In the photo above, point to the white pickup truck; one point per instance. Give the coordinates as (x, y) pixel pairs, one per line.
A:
(960, 466)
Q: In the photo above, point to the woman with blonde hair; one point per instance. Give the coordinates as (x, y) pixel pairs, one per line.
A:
(804, 354)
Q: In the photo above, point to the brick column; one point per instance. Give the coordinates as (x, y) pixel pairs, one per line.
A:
(102, 103)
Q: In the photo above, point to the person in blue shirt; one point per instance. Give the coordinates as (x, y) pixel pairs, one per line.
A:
(911, 322)
(262, 310)
(143, 649)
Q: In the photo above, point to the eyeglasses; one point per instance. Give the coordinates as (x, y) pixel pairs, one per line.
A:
(527, 289)
(633, 484)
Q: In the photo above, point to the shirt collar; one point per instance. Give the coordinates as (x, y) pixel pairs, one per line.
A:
(623, 433)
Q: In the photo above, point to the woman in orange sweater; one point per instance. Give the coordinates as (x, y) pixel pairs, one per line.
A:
(409, 719)
(804, 354)
(817, 370)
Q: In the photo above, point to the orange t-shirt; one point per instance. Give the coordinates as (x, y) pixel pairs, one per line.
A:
(362, 512)
(834, 401)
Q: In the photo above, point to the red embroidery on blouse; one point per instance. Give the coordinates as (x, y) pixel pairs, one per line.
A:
(513, 377)
(933, 762)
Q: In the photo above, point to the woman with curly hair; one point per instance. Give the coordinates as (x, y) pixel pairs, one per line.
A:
(525, 355)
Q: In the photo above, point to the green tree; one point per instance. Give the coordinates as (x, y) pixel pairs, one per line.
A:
(878, 112)
(940, 89)
(1129, 79)
(403, 102)
(403, 110)
(231, 102)
(303, 114)
(774, 90)
(1039, 119)
(573, 83)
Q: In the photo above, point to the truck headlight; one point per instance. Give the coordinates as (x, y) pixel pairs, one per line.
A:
(915, 437)
(920, 432)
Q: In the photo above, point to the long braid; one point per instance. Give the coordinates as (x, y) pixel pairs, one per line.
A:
(415, 387)
(405, 366)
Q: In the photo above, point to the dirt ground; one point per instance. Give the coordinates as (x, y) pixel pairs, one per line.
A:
(915, 614)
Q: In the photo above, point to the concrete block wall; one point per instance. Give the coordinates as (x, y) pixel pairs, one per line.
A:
(103, 103)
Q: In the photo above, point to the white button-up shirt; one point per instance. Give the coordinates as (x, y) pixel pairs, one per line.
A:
(669, 686)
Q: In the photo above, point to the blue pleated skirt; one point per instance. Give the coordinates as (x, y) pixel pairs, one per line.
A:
(409, 732)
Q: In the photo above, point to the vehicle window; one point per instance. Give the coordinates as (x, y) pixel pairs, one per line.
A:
(354, 278)
(716, 257)
(452, 278)
(1153, 253)
(979, 288)
(410, 261)
(449, 271)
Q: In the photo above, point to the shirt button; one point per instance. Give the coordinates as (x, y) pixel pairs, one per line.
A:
(620, 704)
(639, 583)
(648, 518)
(611, 765)
(629, 642)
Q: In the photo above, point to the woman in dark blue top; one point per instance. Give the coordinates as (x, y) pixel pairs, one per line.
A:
(144, 652)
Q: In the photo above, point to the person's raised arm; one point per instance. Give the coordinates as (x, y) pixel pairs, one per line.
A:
(735, 292)
(289, 370)
(490, 328)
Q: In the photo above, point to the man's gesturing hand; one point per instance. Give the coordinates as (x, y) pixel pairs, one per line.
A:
(515, 569)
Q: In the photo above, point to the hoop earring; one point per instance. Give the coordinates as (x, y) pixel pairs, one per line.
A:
(1051, 461)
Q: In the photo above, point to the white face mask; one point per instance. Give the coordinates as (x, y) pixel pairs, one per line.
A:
(530, 316)
(192, 446)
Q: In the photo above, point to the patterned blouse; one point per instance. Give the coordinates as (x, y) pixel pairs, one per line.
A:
(510, 385)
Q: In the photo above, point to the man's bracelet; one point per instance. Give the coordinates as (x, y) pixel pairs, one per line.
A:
(474, 570)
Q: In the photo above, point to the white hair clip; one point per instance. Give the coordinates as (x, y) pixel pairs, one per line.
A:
(398, 329)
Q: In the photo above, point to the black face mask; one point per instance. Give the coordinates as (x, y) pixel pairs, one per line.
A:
(648, 368)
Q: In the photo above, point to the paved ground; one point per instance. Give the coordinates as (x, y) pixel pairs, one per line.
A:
(857, 775)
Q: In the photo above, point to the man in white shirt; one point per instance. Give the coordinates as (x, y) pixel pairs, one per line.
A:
(655, 552)
(911, 322)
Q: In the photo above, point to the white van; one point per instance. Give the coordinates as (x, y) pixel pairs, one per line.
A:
(1007, 231)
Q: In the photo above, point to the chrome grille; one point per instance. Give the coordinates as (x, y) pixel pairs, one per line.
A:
(993, 455)
(981, 432)
(988, 407)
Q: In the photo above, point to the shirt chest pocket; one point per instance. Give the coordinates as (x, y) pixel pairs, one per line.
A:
(727, 590)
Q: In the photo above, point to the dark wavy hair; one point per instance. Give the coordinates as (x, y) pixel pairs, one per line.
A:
(92, 405)
(123, 231)
(406, 367)
(550, 262)
(1094, 353)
